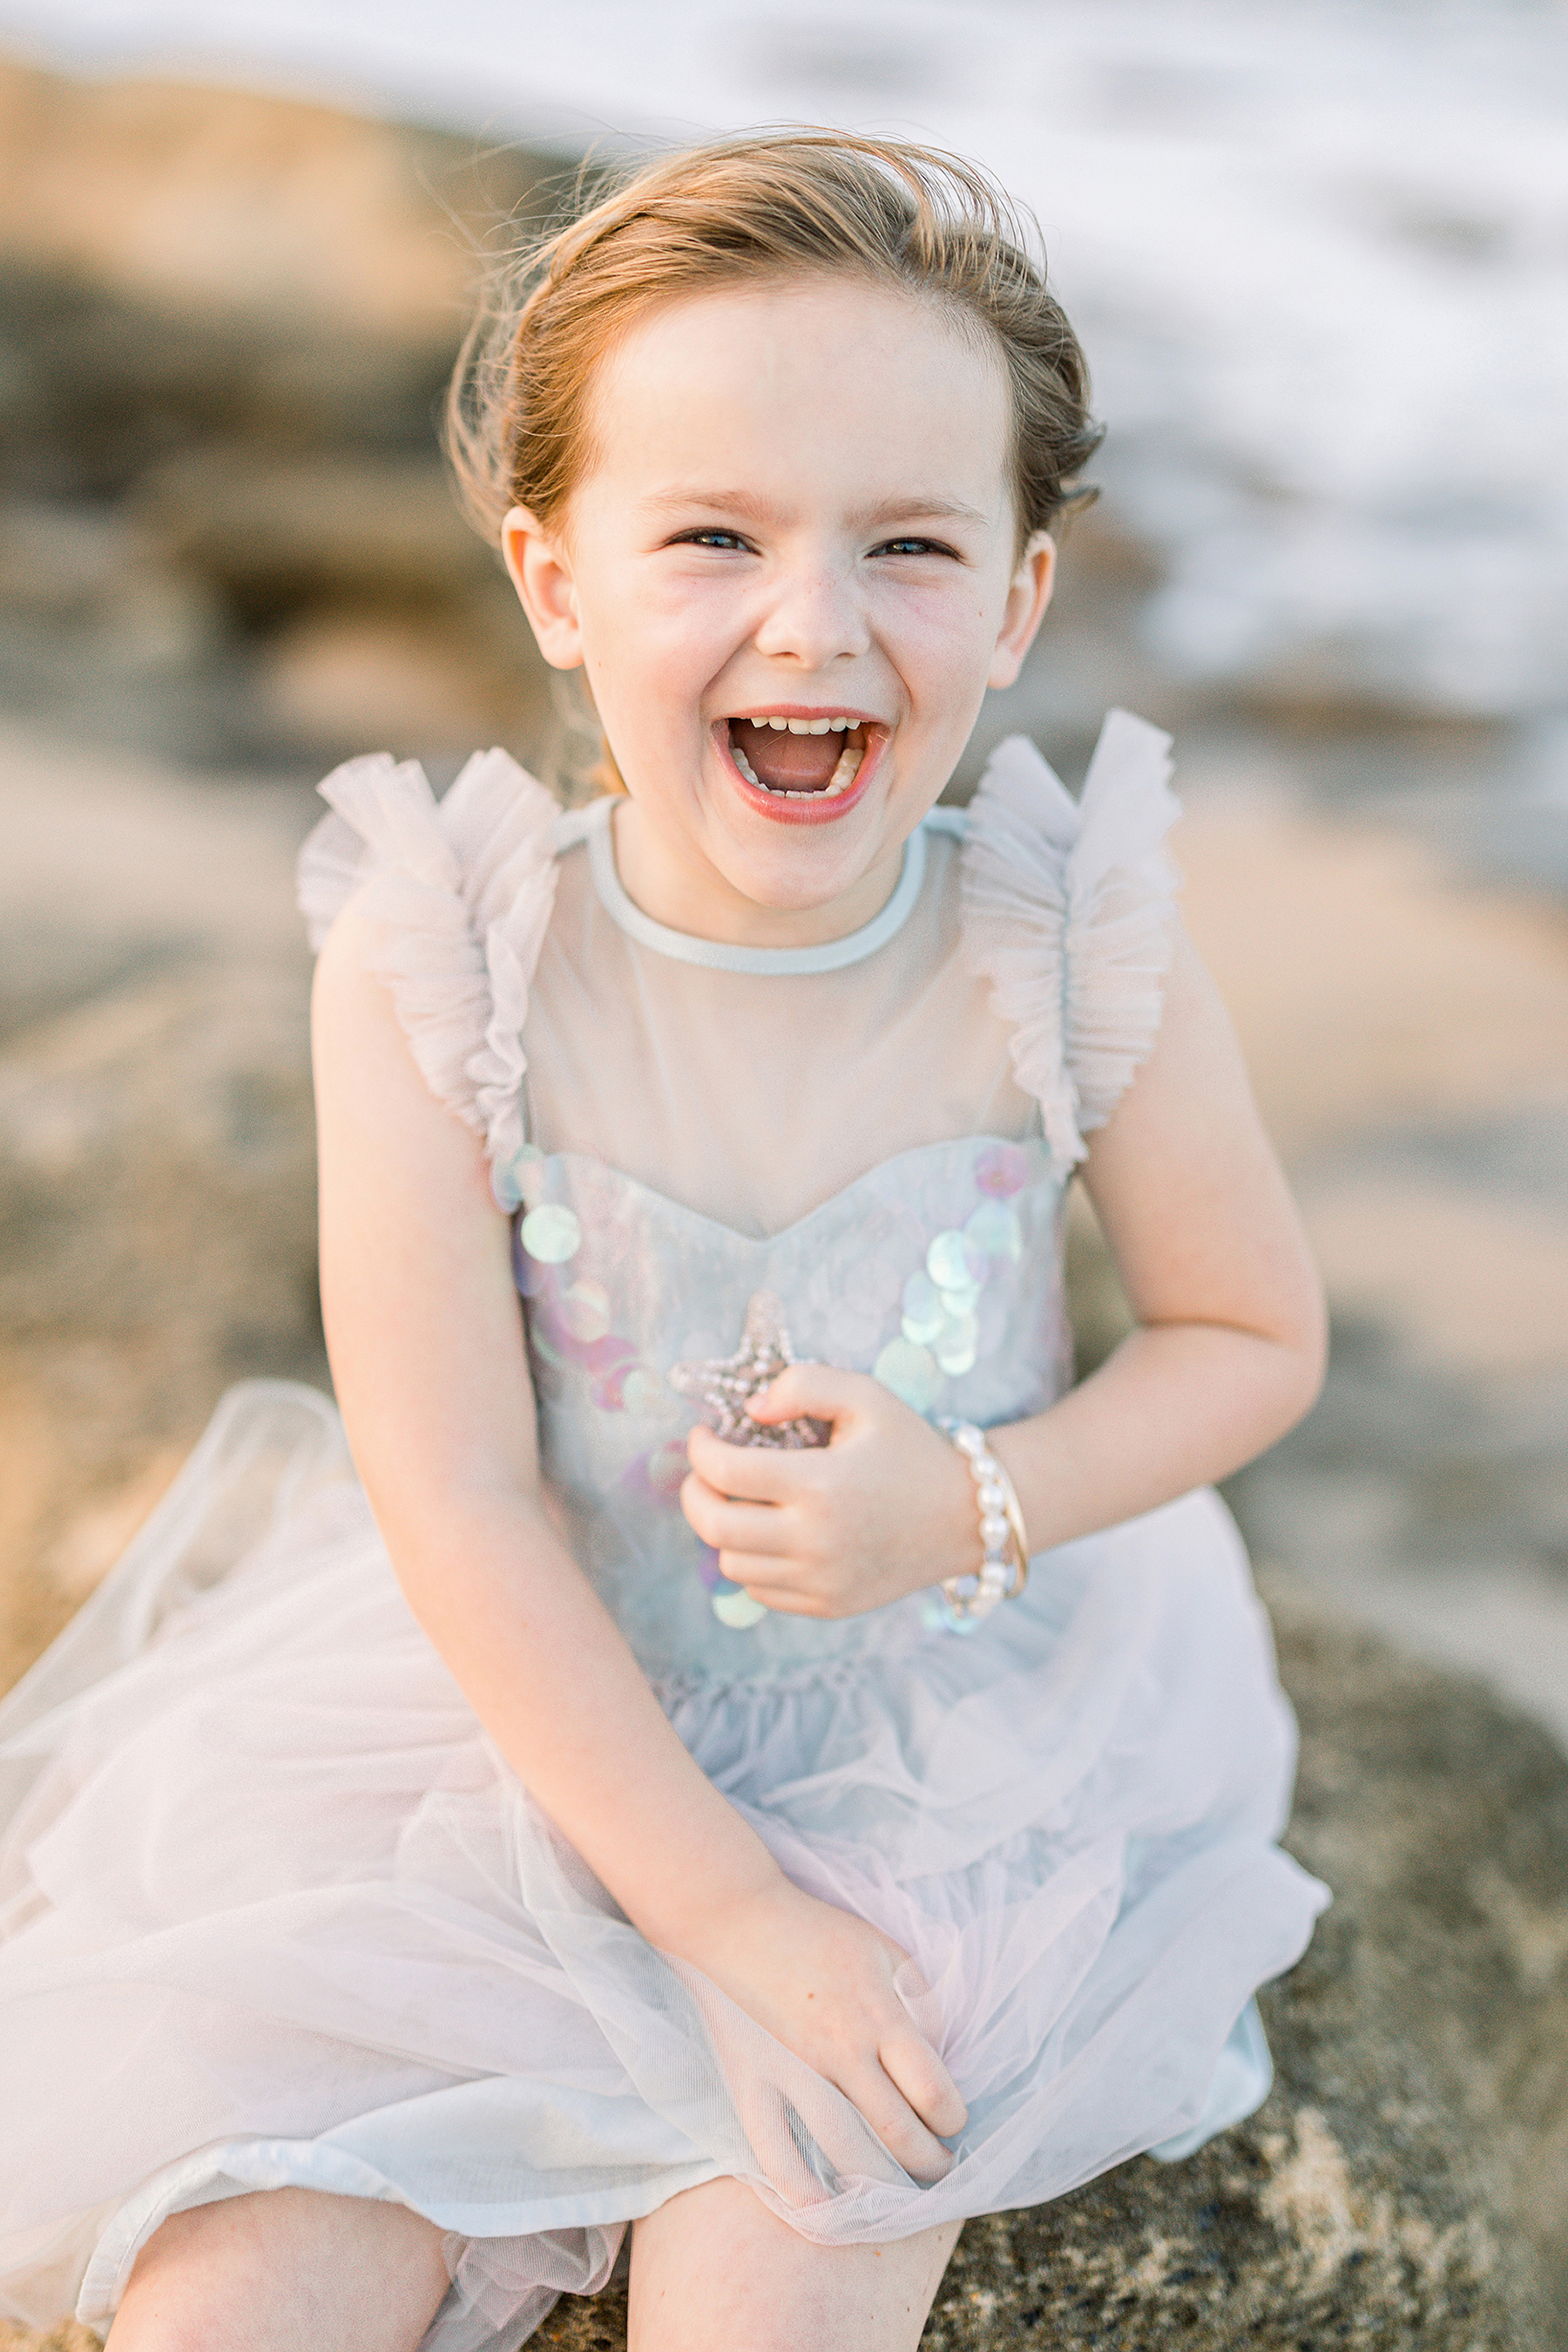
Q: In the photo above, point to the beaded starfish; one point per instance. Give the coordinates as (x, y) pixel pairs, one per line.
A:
(727, 1384)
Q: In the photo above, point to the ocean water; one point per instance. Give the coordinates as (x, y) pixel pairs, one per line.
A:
(1319, 253)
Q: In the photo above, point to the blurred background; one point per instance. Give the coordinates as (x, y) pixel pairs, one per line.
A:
(1319, 253)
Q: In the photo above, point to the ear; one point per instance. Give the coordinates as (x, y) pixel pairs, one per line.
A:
(541, 573)
(1025, 609)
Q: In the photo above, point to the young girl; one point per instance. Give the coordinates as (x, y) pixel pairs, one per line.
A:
(759, 1757)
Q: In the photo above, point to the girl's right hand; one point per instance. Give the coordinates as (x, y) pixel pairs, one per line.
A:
(822, 1982)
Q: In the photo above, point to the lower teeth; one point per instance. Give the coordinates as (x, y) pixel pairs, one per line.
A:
(843, 775)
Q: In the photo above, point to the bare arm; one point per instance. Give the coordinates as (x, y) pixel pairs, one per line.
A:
(425, 1332)
(1228, 1354)
(1229, 1345)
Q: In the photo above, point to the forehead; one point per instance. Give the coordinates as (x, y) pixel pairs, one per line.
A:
(825, 386)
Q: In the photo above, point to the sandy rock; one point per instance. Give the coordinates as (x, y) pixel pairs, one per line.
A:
(1404, 2185)
(68, 2337)
(336, 681)
(228, 199)
(267, 526)
(157, 1217)
(226, 323)
(157, 1234)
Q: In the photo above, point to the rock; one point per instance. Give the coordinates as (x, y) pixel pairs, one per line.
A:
(273, 526)
(68, 2337)
(232, 202)
(157, 1213)
(218, 444)
(1404, 2185)
(379, 618)
(157, 1229)
(354, 678)
(94, 617)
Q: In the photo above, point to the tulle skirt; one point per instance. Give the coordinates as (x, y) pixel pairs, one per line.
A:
(273, 1910)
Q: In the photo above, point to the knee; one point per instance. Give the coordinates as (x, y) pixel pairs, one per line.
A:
(181, 2296)
(272, 2271)
(136, 2330)
(174, 2316)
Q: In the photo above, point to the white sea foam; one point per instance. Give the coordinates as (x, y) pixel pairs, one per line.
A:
(1319, 253)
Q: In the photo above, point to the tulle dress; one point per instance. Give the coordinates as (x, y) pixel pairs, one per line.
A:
(274, 1910)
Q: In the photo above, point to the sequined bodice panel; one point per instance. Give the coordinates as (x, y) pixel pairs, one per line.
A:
(937, 1272)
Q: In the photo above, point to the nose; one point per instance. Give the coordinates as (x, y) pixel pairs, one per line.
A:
(815, 617)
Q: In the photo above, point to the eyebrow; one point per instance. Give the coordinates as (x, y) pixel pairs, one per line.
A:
(745, 503)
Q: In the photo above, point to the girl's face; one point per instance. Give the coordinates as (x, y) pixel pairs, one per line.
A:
(790, 575)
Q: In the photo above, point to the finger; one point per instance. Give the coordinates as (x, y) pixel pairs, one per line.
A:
(909, 2062)
(818, 1391)
(761, 2111)
(764, 2113)
(758, 1474)
(753, 1528)
(896, 2124)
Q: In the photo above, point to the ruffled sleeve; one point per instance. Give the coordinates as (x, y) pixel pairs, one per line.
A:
(462, 892)
(1067, 911)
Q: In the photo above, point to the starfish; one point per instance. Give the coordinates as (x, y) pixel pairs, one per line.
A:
(727, 1384)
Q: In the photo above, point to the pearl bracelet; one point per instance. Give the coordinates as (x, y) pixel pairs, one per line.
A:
(1005, 1570)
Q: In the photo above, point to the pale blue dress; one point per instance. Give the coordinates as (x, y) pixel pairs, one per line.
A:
(274, 1910)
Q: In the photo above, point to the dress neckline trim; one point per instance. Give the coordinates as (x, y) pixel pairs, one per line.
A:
(594, 825)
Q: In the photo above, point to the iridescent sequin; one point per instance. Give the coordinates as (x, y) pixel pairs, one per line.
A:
(584, 1310)
(924, 1313)
(551, 1233)
(948, 1317)
(955, 1263)
(642, 1391)
(911, 1371)
(736, 1609)
(994, 1228)
(731, 1603)
(1002, 1170)
(958, 1346)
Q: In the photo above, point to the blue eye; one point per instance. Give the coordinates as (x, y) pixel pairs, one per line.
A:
(722, 538)
(913, 547)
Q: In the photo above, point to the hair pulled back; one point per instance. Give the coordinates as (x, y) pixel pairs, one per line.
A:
(779, 204)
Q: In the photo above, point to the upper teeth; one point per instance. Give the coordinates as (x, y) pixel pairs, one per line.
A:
(804, 726)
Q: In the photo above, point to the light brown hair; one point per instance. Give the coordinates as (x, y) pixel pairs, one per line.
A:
(780, 204)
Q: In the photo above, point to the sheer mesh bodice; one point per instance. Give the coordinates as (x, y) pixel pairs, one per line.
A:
(754, 1096)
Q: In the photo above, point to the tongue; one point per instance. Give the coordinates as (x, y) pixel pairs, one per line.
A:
(788, 763)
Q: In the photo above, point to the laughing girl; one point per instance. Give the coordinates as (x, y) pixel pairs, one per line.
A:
(732, 1742)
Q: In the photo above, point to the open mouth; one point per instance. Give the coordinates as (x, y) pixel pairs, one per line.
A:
(815, 760)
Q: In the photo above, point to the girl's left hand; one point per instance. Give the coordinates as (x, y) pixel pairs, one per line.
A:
(887, 1508)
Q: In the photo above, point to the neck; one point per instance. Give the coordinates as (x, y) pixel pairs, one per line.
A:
(688, 894)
